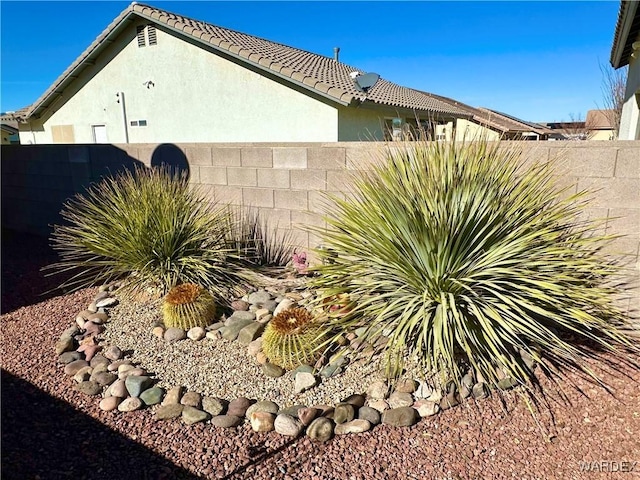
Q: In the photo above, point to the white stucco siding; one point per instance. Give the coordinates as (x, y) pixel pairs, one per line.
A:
(359, 124)
(196, 96)
(467, 130)
(630, 118)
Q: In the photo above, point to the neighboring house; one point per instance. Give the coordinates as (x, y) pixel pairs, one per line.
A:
(599, 125)
(626, 51)
(157, 77)
(9, 127)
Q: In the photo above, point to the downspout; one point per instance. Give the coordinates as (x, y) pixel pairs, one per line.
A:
(120, 96)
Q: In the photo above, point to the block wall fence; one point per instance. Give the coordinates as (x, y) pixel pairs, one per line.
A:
(286, 181)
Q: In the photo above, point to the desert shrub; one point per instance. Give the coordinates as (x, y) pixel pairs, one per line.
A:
(293, 338)
(188, 305)
(461, 255)
(148, 227)
(257, 243)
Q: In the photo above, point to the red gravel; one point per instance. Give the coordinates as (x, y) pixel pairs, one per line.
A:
(49, 431)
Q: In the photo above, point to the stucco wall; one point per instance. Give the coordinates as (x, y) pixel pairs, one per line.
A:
(287, 181)
(630, 118)
(196, 96)
(466, 130)
(358, 124)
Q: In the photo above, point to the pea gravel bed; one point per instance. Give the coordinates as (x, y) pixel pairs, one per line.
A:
(50, 431)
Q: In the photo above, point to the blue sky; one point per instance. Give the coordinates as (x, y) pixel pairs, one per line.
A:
(535, 60)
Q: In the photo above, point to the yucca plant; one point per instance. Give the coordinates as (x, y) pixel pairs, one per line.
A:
(188, 305)
(257, 242)
(148, 227)
(293, 338)
(461, 255)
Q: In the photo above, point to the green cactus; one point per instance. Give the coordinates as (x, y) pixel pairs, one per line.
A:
(187, 306)
(292, 339)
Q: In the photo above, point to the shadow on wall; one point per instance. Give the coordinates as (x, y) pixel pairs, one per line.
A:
(37, 441)
(171, 156)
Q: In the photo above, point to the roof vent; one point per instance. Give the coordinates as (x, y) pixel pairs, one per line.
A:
(336, 53)
(365, 81)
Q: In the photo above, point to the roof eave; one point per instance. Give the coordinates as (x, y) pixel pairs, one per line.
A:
(627, 14)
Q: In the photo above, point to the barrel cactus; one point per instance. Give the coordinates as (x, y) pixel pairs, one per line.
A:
(292, 338)
(188, 305)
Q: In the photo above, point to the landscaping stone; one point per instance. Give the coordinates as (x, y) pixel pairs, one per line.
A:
(158, 332)
(356, 400)
(354, 426)
(174, 334)
(249, 333)
(426, 408)
(292, 410)
(369, 414)
(173, 396)
(113, 353)
(213, 406)
(406, 385)
(83, 375)
(400, 417)
(343, 412)
(110, 403)
(196, 333)
(263, 406)
(118, 389)
(262, 421)
(307, 415)
(238, 407)
(113, 367)
(89, 388)
(240, 316)
(136, 384)
(226, 421)
(167, 412)
(258, 297)
(98, 318)
(271, 370)
(450, 400)
(378, 390)
(99, 360)
(107, 302)
(104, 378)
(480, 390)
(379, 405)
(261, 313)
(134, 371)
(423, 390)
(191, 399)
(73, 367)
(285, 304)
(254, 347)
(507, 383)
(152, 396)
(302, 369)
(287, 425)
(321, 430)
(65, 344)
(265, 319)
(191, 415)
(130, 404)
(213, 335)
(68, 357)
(330, 370)
(240, 305)
(400, 399)
(230, 332)
(304, 381)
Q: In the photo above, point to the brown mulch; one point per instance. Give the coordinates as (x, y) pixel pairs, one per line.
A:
(50, 431)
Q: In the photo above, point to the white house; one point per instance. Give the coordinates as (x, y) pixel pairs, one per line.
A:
(153, 76)
(626, 51)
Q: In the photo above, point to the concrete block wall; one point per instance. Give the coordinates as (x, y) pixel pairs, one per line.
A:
(287, 182)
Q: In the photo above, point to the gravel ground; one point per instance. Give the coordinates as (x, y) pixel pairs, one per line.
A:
(50, 431)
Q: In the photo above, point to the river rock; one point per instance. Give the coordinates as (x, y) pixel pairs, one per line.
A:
(98, 318)
(196, 333)
(226, 421)
(213, 406)
(113, 353)
(261, 296)
(263, 406)
(73, 367)
(285, 304)
(191, 415)
(378, 390)
(450, 400)
(238, 407)
(369, 414)
(136, 384)
(379, 405)
(356, 400)
(354, 426)
(271, 370)
(173, 396)
(307, 415)
(343, 412)
(423, 390)
(99, 360)
(83, 375)
(287, 425)
(320, 430)
(107, 302)
(167, 412)
(174, 334)
(249, 333)
(262, 421)
(152, 396)
(400, 399)
(480, 390)
(130, 404)
(118, 389)
(304, 381)
(400, 417)
(68, 357)
(158, 332)
(65, 344)
(240, 305)
(292, 410)
(240, 316)
(109, 403)
(89, 388)
(104, 378)
(254, 347)
(191, 399)
(426, 408)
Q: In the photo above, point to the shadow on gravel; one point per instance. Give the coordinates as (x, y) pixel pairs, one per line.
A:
(23, 284)
(43, 437)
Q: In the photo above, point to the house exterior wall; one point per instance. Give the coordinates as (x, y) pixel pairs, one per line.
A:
(630, 118)
(356, 124)
(601, 135)
(196, 96)
(468, 130)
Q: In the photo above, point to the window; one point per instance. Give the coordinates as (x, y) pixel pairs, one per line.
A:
(138, 123)
(142, 123)
(134, 123)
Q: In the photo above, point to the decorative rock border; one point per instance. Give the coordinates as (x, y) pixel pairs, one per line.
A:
(125, 387)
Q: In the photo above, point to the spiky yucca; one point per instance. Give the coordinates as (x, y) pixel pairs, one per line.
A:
(187, 306)
(459, 252)
(149, 227)
(292, 338)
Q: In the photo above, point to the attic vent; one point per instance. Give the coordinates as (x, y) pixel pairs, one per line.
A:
(151, 32)
(140, 34)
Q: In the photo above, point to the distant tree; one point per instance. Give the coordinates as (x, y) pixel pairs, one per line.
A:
(613, 87)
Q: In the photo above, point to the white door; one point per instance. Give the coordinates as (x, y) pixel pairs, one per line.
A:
(99, 133)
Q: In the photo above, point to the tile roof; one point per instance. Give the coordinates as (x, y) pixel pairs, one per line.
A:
(320, 74)
(626, 33)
